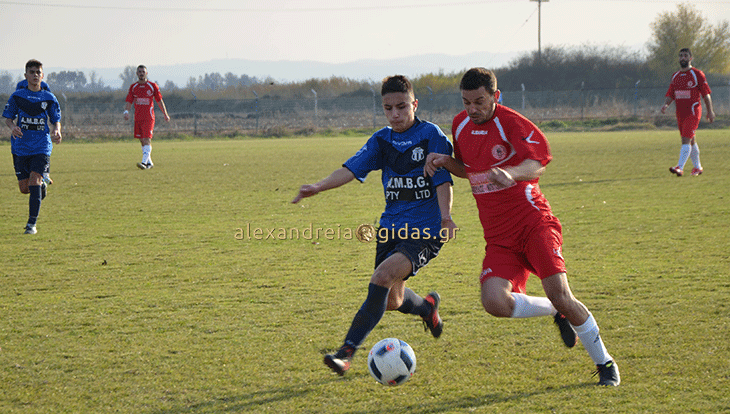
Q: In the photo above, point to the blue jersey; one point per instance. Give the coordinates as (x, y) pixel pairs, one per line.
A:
(410, 196)
(33, 110)
(24, 85)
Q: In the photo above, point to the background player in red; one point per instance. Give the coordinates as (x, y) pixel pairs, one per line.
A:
(503, 154)
(143, 95)
(687, 86)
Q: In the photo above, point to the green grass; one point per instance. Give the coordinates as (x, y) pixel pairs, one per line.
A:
(140, 294)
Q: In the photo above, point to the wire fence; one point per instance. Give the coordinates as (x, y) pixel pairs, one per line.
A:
(277, 117)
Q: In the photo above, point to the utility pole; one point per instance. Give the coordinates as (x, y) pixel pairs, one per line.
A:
(539, 20)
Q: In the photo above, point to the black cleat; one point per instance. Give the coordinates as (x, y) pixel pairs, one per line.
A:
(340, 362)
(433, 321)
(566, 331)
(608, 375)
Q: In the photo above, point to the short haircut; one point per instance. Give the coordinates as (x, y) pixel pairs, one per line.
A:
(395, 84)
(685, 49)
(142, 67)
(33, 63)
(477, 77)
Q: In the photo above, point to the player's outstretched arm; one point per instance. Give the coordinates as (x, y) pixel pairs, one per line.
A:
(434, 161)
(338, 178)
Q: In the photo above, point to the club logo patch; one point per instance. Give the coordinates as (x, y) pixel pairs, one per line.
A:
(499, 152)
(417, 154)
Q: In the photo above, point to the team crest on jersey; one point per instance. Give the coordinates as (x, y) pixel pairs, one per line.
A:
(499, 152)
(690, 84)
(44, 105)
(417, 154)
(149, 92)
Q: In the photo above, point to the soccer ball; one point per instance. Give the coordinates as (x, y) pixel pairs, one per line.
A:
(392, 361)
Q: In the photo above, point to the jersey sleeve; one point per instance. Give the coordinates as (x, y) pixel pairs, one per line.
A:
(440, 144)
(54, 113)
(130, 96)
(365, 160)
(702, 83)
(157, 94)
(529, 142)
(11, 109)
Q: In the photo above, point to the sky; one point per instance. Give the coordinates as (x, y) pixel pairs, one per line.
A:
(83, 35)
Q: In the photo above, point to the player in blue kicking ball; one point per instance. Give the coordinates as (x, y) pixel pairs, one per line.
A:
(417, 217)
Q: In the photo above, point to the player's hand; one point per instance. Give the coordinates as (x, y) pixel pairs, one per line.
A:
(307, 190)
(126, 116)
(57, 137)
(711, 116)
(434, 161)
(664, 108)
(448, 229)
(17, 132)
(500, 177)
(167, 117)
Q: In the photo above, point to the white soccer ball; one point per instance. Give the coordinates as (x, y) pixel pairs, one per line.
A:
(392, 361)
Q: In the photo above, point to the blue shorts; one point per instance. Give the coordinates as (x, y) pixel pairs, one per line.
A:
(25, 164)
(418, 251)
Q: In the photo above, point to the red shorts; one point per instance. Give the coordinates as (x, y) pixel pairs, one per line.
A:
(541, 255)
(687, 126)
(143, 129)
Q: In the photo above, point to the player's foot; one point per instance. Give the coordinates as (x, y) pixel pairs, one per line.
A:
(433, 321)
(44, 189)
(566, 331)
(149, 164)
(141, 166)
(608, 375)
(696, 171)
(676, 170)
(30, 229)
(340, 362)
(47, 178)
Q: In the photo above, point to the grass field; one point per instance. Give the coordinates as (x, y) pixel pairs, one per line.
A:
(182, 289)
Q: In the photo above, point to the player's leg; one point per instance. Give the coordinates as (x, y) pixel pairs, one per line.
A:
(147, 151)
(393, 269)
(694, 155)
(687, 126)
(34, 200)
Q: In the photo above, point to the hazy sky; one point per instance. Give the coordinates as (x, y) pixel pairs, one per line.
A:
(78, 34)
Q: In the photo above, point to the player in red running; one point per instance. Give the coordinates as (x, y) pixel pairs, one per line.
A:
(143, 95)
(687, 86)
(503, 155)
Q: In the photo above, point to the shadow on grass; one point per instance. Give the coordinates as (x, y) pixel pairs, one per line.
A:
(260, 401)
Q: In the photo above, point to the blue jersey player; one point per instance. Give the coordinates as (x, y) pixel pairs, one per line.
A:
(34, 117)
(415, 223)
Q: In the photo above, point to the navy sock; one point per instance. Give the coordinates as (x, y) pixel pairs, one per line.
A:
(368, 316)
(414, 304)
(34, 203)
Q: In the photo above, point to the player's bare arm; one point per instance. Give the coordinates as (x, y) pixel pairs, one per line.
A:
(434, 161)
(56, 133)
(164, 110)
(708, 104)
(527, 170)
(15, 130)
(338, 178)
(445, 195)
(667, 101)
(127, 107)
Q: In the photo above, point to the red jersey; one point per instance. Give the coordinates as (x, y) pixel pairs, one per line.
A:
(506, 140)
(143, 95)
(686, 88)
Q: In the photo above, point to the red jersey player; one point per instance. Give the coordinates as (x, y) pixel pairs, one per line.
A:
(688, 85)
(143, 94)
(503, 154)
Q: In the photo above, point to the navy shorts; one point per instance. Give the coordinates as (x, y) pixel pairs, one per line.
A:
(418, 251)
(25, 164)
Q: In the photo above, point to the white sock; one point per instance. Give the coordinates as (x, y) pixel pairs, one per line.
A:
(695, 156)
(683, 155)
(146, 150)
(531, 306)
(592, 342)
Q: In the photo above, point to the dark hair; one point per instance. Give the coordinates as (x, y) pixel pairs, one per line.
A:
(476, 77)
(686, 49)
(141, 66)
(33, 63)
(394, 84)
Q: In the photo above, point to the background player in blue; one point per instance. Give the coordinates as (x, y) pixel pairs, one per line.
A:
(38, 126)
(418, 204)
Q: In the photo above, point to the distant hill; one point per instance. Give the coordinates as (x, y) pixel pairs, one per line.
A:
(293, 71)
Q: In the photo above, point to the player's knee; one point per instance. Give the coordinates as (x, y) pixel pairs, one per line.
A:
(496, 307)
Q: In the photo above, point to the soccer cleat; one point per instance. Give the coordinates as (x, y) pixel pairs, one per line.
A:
(30, 229)
(340, 362)
(676, 170)
(696, 171)
(44, 189)
(566, 331)
(141, 166)
(433, 321)
(608, 375)
(149, 164)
